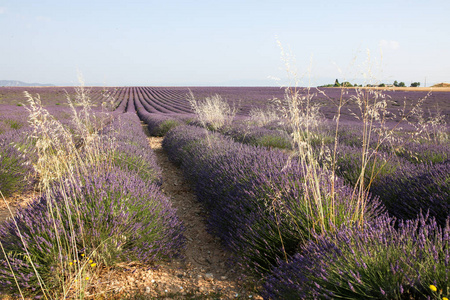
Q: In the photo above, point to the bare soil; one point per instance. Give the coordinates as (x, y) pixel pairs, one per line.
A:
(9, 205)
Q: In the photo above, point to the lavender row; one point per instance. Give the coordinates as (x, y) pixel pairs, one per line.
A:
(250, 97)
(15, 167)
(16, 146)
(175, 104)
(154, 100)
(254, 196)
(409, 180)
(131, 149)
(119, 218)
(52, 95)
(414, 188)
(384, 259)
(159, 124)
(405, 188)
(16, 170)
(246, 97)
(413, 180)
(121, 215)
(254, 135)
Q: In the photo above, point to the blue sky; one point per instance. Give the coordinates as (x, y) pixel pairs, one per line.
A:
(231, 42)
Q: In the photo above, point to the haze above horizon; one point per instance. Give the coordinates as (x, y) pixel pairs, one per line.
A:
(223, 43)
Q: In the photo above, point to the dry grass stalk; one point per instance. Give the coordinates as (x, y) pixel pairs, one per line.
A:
(262, 117)
(64, 157)
(212, 112)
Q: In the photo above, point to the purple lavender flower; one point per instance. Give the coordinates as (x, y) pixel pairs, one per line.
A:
(382, 244)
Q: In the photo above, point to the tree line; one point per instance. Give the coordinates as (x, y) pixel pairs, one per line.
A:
(348, 84)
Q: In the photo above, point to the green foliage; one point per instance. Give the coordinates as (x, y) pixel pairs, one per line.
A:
(318, 139)
(165, 126)
(423, 156)
(378, 165)
(15, 170)
(415, 84)
(14, 124)
(337, 84)
(346, 84)
(11, 175)
(273, 141)
(134, 162)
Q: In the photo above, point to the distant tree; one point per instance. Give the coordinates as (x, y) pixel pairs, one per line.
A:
(395, 83)
(381, 85)
(336, 83)
(347, 84)
(415, 84)
(401, 84)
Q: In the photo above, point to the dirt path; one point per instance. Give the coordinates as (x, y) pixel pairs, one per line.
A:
(206, 264)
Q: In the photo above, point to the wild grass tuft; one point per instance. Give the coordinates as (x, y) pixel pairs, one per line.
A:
(350, 254)
(40, 240)
(260, 116)
(61, 159)
(213, 112)
(303, 116)
(430, 127)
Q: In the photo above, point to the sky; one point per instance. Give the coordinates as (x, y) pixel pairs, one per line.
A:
(224, 43)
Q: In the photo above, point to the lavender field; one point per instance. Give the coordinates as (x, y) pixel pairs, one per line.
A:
(348, 197)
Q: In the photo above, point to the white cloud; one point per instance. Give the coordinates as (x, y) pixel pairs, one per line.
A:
(389, 45)
(2, 10)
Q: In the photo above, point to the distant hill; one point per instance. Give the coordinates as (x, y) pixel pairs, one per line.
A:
(21, 83)
(443, 84)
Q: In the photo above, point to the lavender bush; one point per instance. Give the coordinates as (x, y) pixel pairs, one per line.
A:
(379, 165)
(424, 153)
(415, 188)
(12, 118)
(160, 124)
(137, 160)
(254, 196)
(116, 217)
(15, 166)
(376, 261)
(131, 149)
(91, 207)
(261, 136)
